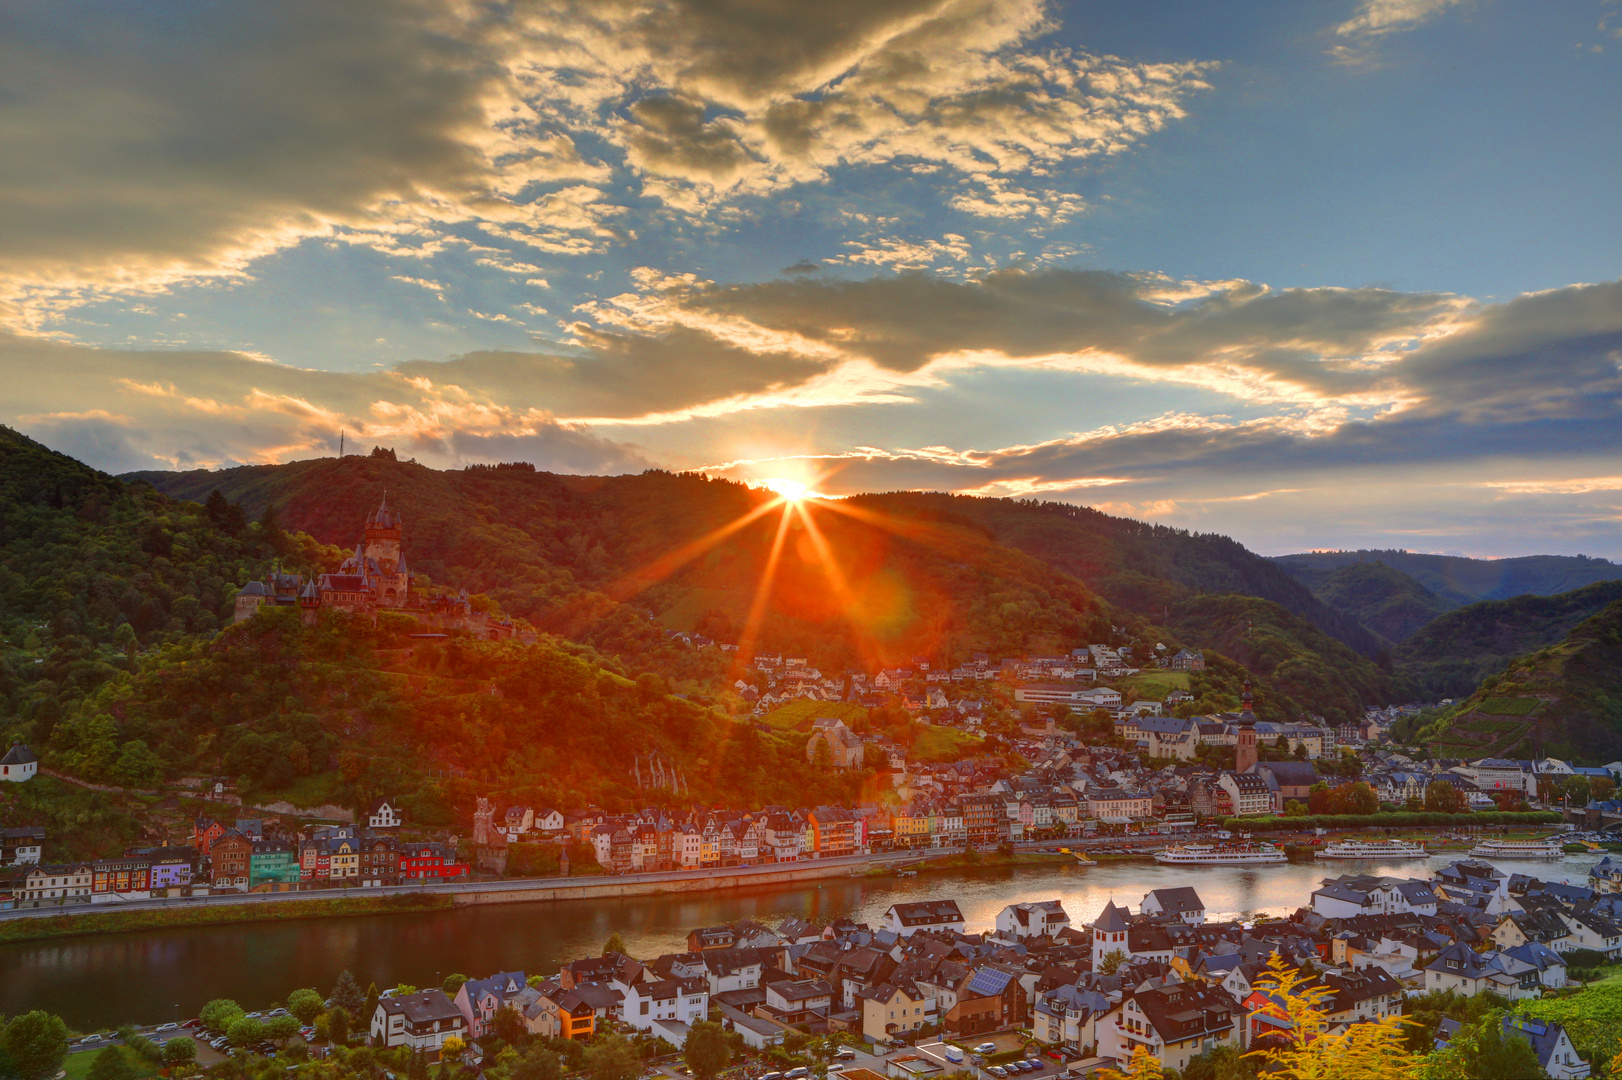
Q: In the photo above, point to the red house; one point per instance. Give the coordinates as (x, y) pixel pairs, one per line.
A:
(428, 862)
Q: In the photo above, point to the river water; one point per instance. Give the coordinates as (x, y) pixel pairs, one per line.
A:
(151, 977)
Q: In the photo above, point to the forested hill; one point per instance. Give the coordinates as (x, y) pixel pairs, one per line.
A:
(1451, 656)
(1383, 598)
(1569, 694)
(1462, 580)
(1136, 565)
(93, 569)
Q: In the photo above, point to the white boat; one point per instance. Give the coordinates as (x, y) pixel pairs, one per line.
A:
(1240, 854)
(1354, 848)
(1518, 849)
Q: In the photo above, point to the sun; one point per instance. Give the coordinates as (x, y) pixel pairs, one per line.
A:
(790, 491)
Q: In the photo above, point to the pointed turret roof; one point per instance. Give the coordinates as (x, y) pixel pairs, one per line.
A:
(1111, 918)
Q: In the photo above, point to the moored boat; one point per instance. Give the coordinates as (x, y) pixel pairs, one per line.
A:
(1517, 849)
(1239, 854)
(1357, 848)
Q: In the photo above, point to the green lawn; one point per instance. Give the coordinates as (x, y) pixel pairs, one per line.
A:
(797, 715)
(1508, 706)
(937, 744)
(1155, 684)
(78, 1065)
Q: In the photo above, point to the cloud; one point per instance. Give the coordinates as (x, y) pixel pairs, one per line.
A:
(1374, 17)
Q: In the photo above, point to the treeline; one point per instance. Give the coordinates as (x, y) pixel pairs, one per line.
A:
(1390, 820)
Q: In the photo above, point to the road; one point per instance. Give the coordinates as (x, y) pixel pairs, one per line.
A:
(504, 885)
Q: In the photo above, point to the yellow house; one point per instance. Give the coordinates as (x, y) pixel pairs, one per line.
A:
(888, 1009)
(345, 860)
(911, 827)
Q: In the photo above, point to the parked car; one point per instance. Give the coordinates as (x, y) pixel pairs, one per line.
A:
(1033, 1064)
(997, 1071)
(277, 1012)
(797, 1074)
(772, 1076)
(166, 1027)
(845, 1054)
(986, 1048)
(193, 1024)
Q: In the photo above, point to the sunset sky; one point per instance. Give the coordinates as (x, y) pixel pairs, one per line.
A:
(1336, 273)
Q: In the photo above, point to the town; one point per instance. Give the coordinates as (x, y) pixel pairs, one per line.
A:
(921, 995)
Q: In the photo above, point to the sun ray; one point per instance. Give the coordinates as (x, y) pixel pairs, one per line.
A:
(763, 592)
(836, 581)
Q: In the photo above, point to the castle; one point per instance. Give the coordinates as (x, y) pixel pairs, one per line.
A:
(375, 578)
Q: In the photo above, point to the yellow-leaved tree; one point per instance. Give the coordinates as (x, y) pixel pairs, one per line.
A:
(1308, 1050)
(1142, 1065)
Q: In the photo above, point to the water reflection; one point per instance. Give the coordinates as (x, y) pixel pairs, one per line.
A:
(113, 978)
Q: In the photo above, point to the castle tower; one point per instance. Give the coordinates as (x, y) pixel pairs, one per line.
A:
(1245, 752)
(1109, 934)
(383, 562)
(309, 602)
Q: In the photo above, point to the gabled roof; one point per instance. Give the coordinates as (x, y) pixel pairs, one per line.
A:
(1111, 918)
(18, 755)
(1178, 900)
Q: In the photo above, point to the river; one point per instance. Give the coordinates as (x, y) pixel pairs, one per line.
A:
(155, 976)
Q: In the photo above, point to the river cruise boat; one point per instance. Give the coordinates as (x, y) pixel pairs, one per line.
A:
(1517, 849)
(1244, 853)
(1354, 848)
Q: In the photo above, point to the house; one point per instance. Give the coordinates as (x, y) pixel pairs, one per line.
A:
(120, 880)
(1351, 895)
(478, 999)
(1067, 1016)
(1119, 805)
(833, 832)
(797, 1001)
(907, 919)
(1466, 972)
(383, 814)
(682, 1001)
(427, 862)
(19, 764)
(1037, 918)
(989, 998)
(1182, 902)
(1174, 1023)
(421, 1021)
(1109, 934)
(1248, 794)
(230, 857)
(566, 1014)
(1550, 1043)
(22, 847)
(891, 1008)
(1287, 780)
(844, 746)
(1187, 660)
(56, 885)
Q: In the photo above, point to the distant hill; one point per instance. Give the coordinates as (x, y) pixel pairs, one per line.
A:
(1465, 581)
(1382, 598)
(1453, 655)
(1138, 566)
(1564, 699)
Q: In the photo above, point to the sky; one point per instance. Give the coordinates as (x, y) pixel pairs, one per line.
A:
(1333, 274)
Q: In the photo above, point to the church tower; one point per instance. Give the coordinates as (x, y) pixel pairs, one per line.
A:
(384, 564)
(1245, 752)
(1109, 934)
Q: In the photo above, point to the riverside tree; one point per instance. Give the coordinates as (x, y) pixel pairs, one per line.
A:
(707, 1052)
(305, 1004)
(37, 1044)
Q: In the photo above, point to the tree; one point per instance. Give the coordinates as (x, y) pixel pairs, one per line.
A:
(346, 993)
(111, 1064)
(337, 1026)
(1601, 788)
(707, 1052)
(37, 1044)
(1112, 962)
(453, 982)
(614, 944)
(281, 1028)
(1442, 797)
(451, 1048)
(219, 1013)
(1141, 1066)
(537, 1063)
(1485, 1051)
(305, 1004)
(1310, 1051)
(612, 1058)
(180, 1050)
(245, 1031)
(508, 1024)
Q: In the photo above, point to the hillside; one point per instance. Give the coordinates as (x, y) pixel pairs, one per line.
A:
(1137, 566)
(590, 557)
(1466, 581)
(93, 570)
(1564, 699)
(1451, 656)
(342, 712)
(1382, 598)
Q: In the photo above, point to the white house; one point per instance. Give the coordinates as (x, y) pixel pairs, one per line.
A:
(383, 815)
(1551, 1044)
(19, 764)
(1182, 902)
(422, 1021)
(907, 919)
(682, 1001)
(1038, 918)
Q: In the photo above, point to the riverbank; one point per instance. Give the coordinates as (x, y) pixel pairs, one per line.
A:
(985, 860)
(103, 921)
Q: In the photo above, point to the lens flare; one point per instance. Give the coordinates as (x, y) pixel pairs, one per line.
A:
(792, 491)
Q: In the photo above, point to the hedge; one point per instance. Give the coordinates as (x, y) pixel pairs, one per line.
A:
(1394, 820)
